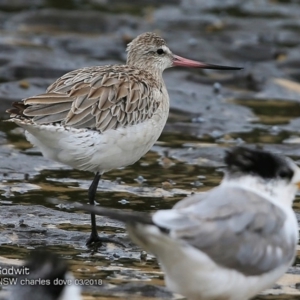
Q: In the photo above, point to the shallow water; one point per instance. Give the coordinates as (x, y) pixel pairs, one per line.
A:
(165, 175)
(43, 39)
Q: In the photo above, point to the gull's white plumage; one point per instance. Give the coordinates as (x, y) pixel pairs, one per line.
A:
(193, 274)
(229, 243)
(219, 282)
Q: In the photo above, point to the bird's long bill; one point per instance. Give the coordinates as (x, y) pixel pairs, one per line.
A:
(184, 62)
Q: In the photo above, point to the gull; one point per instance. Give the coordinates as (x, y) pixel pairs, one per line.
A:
(231, 242)
(44, 276)
(104, 117)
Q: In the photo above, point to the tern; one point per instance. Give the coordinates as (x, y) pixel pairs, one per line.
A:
(231, 242)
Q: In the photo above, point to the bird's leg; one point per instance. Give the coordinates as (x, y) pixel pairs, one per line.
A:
(94, 237)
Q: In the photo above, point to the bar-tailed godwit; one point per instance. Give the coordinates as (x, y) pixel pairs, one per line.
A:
(104, 117)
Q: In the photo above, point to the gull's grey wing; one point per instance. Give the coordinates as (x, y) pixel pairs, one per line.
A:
(234, 227)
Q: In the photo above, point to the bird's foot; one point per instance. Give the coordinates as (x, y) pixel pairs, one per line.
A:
(96, 241)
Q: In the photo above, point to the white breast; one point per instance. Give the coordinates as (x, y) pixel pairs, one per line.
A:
(90, 150)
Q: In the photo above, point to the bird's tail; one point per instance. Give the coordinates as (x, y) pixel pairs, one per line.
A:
(17, 109)
(116, 214)
(140, 226)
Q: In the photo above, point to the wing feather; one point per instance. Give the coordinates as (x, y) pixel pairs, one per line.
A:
(234, 227)
(101, 97)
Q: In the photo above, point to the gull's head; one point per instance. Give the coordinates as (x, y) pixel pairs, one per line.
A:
(150, 52)
(274, 175)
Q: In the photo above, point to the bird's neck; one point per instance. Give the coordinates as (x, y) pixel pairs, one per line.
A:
(154, 70)
(277, 192)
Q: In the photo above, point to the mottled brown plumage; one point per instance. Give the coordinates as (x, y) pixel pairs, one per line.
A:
(106, 97)
(100, 98)
(104, 117)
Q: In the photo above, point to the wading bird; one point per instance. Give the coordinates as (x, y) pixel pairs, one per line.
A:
(104, 117)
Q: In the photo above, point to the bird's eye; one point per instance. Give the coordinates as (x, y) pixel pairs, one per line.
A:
(160, 51)
(287, 174)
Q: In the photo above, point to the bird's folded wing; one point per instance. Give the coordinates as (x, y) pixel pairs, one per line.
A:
(236, 228)
(100, 98)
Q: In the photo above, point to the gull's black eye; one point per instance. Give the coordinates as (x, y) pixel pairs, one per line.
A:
(286, 174)
(160, 51)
